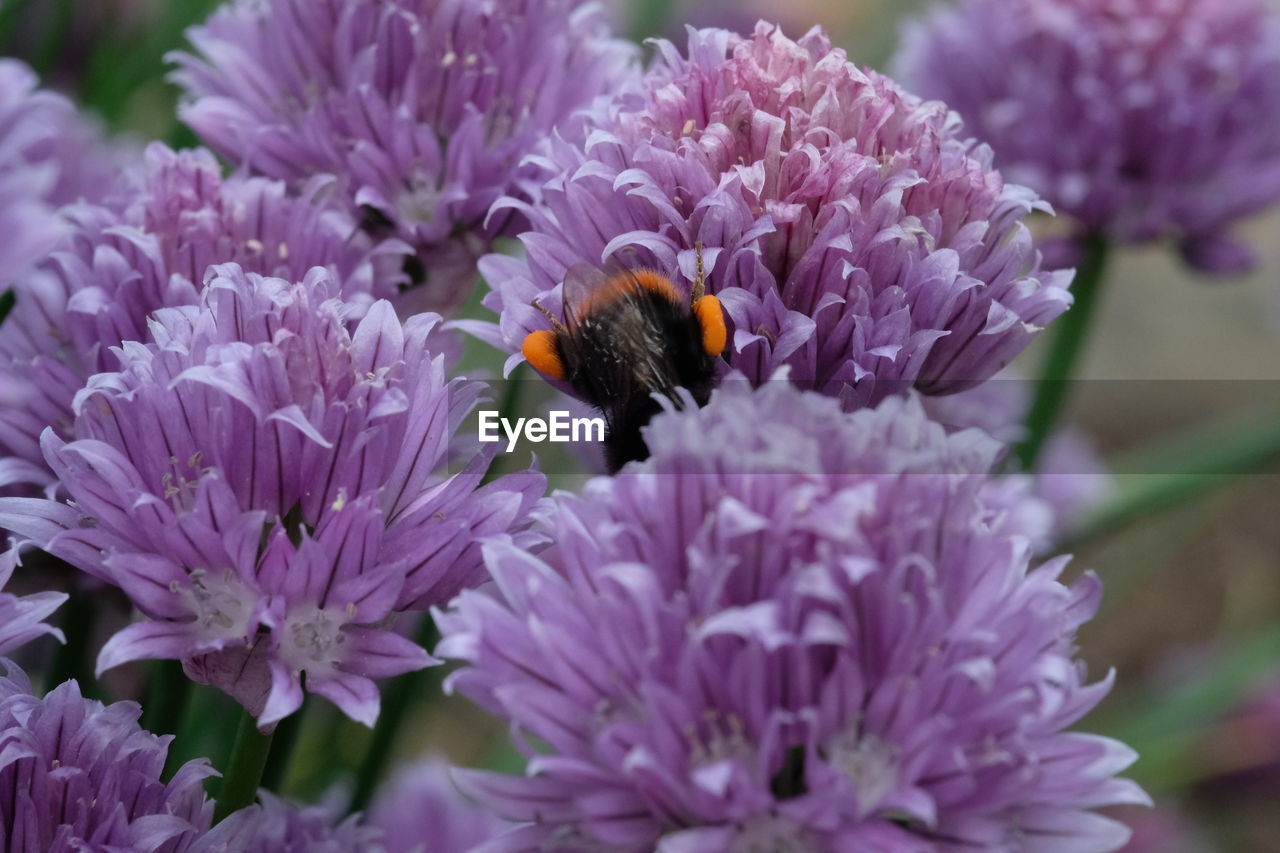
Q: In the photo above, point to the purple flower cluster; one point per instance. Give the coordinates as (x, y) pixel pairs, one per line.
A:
(791, 628)
(809, 621)
(849, 232)
(420, 811)
(1163, 829)
(426, 110)
(274, 826)
(1143, 119)
(78, 776)
(263, 484)
(49, 156)
(115, 267)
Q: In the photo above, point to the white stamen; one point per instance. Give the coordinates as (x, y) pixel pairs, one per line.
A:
(869, 762)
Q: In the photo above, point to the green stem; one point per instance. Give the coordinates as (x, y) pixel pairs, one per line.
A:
(208, 727)
(1166, 727)
(507, 409)
(650, 18)
(125, 59)
(325, 747)
(10, 14)
(244, 768)
(168, 691)
(55, 37)
(71, 659)
(286, 738)
(1068, 336)
(399, 699)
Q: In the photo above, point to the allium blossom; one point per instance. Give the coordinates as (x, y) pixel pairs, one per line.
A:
(264, 486)
(427, 109)
(78, 776)
(1143, 119)
(847, 230)
(790, 629)
(274, 826)
(1163, 829)
(49, 156)
(118, 266)
(1070, 478)
(421, 811)
(1242, 749)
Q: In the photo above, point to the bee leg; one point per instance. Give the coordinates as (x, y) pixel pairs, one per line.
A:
(699, 281)
(555, 321)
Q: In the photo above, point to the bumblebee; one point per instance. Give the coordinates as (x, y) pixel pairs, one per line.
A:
(627, 335)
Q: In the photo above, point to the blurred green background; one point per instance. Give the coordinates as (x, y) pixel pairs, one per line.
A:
(1191, 617)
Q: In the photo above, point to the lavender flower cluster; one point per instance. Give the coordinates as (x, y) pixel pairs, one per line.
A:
(49, 156)
(114, 267)
(424, 110)
(1165, 117)
(295, 505)
(791, 628)
(849, 231)
(814, 619)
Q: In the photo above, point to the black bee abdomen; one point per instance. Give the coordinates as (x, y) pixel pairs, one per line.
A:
(619, 354)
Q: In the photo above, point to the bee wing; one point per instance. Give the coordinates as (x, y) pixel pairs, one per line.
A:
(580, 281)
(584, 283)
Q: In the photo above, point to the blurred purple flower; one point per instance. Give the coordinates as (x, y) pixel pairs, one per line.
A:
(1070, 477)
(76, 776)
(427, 109)
(118, 266)
(848, 232)
(790, 625)
(1143, 119)
(1161, 830)
(49, 155)
(22, 616)
(274, 826)
(264, 486)
(420, 811)
(1239, 755)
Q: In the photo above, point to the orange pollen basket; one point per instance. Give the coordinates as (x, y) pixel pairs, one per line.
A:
(542, 351)
(711, 318)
